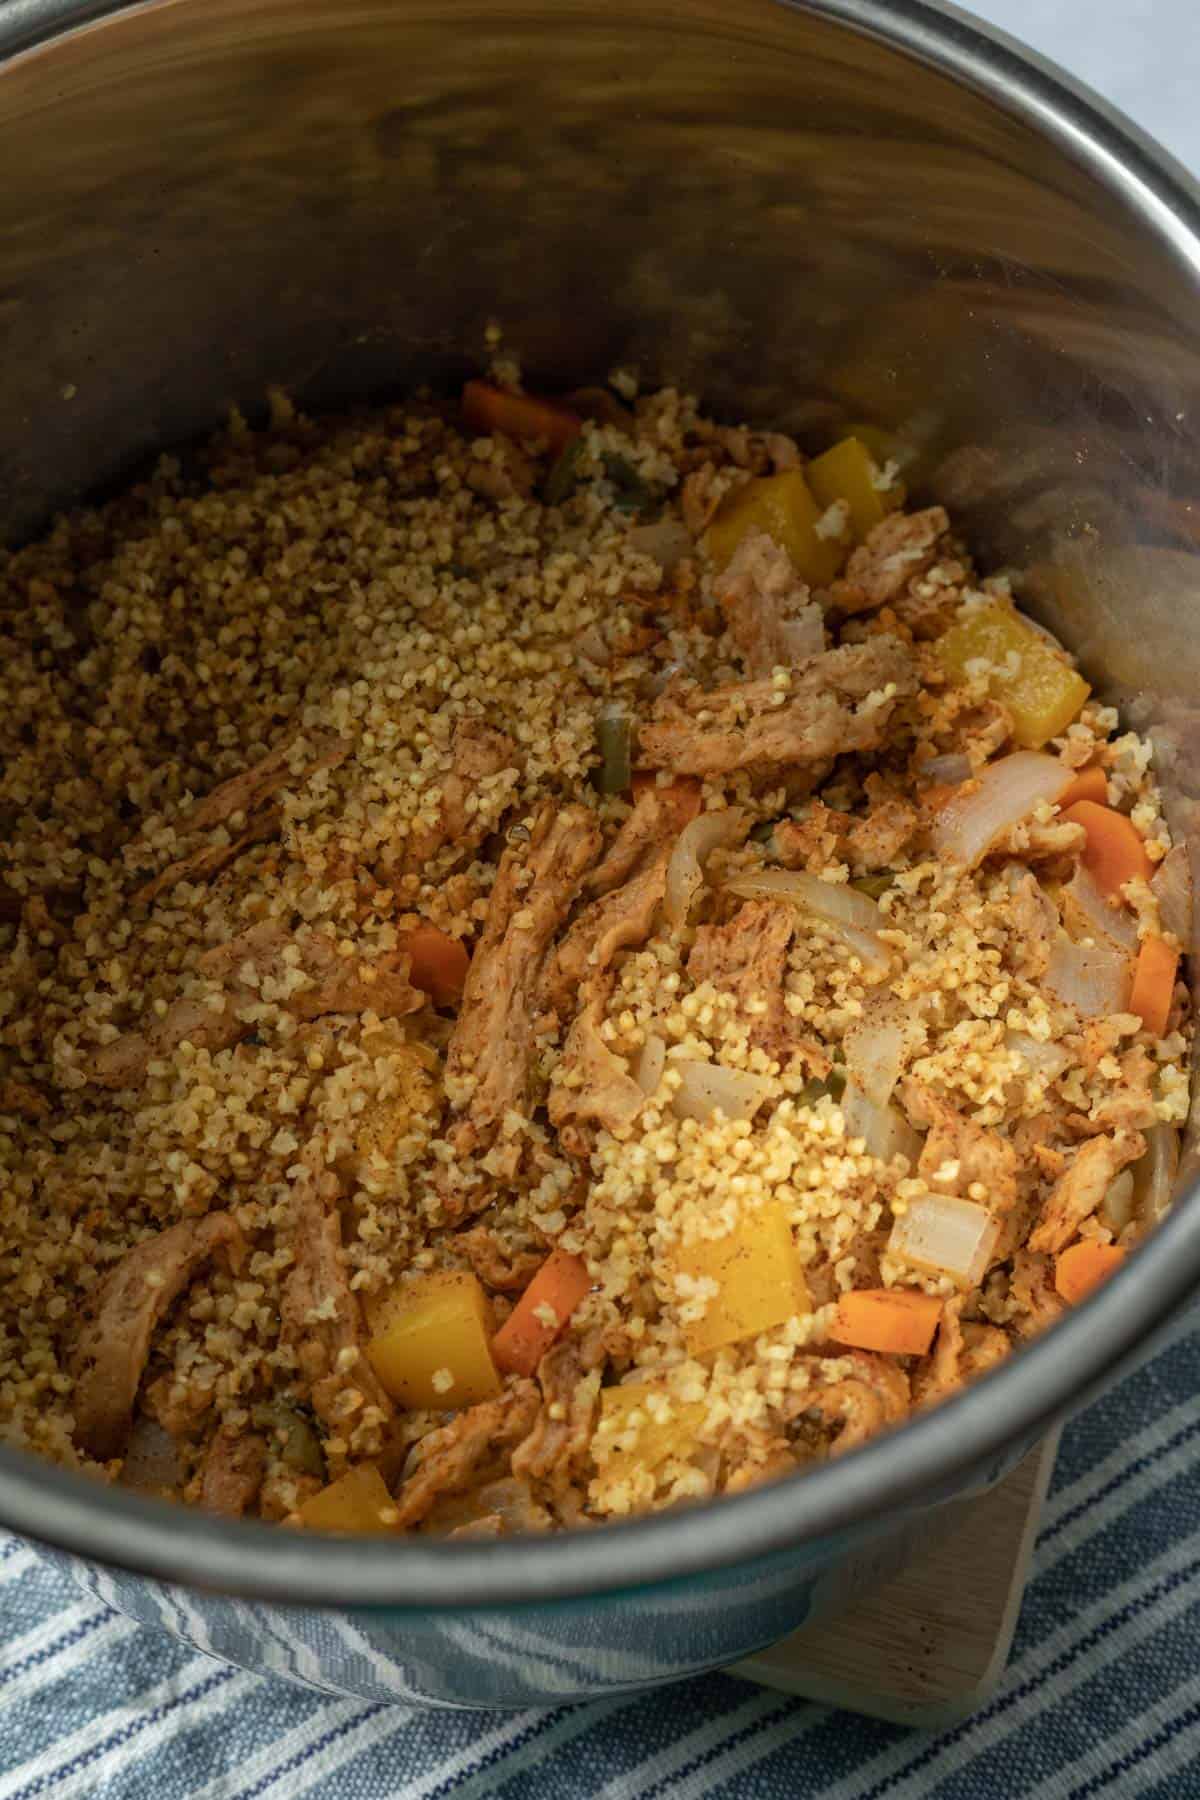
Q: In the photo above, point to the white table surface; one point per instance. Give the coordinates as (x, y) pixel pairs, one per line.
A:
(1143, 55)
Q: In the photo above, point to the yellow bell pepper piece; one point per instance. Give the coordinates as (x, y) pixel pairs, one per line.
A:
(1040, 689)
(758, 1275)
(431, 1342)
(783, 507)
(632, 1434)
(357, 1501)
(848, 472)
(885, 446)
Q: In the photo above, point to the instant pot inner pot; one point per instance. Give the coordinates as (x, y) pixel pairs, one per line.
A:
(799, 223)
(804, 225)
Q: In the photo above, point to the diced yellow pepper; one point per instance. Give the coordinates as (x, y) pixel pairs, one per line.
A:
(783, 507)
(848, 472)
(431, 1343)
(758, 1275)
(1041, 690)
(632, 1435)
(885, 446)
(356, 1501)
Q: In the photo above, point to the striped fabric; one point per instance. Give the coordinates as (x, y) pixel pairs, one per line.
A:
(1102, 1696)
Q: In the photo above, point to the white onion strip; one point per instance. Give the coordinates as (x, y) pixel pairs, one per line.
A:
(1098, 916)
(1093, 978)
(651, 1064)
(834, 900)
(950, 770)
(946, 1236)
(1154, 1173)
(697, 841)
(1007, 792)
(1172, 887)
(884, 1130)
(704, 1087)
(874, 1052)
(1045, 1059)
(854, 916)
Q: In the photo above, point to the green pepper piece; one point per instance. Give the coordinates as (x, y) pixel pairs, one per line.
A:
(560, 483)
(632, 494)
(833, 1086)
(301, 1447)
(614, 740)
(874, 885)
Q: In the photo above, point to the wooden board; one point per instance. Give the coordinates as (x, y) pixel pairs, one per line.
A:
(929, 1644)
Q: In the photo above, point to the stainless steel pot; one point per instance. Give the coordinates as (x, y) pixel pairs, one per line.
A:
(811, 213)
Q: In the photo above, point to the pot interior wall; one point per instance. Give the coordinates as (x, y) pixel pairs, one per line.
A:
(795, 220)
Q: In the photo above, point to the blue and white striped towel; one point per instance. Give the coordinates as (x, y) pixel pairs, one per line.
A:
(1102, 1696)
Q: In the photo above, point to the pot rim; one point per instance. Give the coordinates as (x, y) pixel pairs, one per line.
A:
(974, 1435)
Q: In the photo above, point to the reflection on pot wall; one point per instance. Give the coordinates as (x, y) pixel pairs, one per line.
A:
(534, 1655)
(208, 199)
(538, 1655)
(200, 201)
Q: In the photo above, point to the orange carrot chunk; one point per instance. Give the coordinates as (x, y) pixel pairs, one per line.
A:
(1090, 784)
(439, 963)
(541, 1313)
(888, 1319)
(1154, 984)
(1084, 1266)
(488, 409)
(1115, 851)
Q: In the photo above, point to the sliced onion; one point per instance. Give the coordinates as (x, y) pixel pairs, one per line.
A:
(666, 542)
(866, 946)
(947, 1236)
(1008, 792)
(706, 1086)
(697, 841)
(1154, 1173)
(884, 1130)
(874, 1052)
(853, 915)
(835, 900)
(1044, 1059)
(1117, 1208)
(651, 1064)
(1093, 978)
(1172, 887)
(949, 771)
(1099, 916)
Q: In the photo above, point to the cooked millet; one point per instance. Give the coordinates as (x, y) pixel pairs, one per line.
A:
(376, 582)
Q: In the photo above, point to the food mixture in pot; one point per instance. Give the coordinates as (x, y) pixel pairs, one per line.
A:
(558, 959)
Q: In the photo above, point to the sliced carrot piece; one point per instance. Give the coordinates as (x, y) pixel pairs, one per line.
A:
(439, 963)
(541, 1312)
(888, 1319)
(1115, 851)
(487, 409)
(1090, 784)
(1084, 1266)
(1154, 984)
